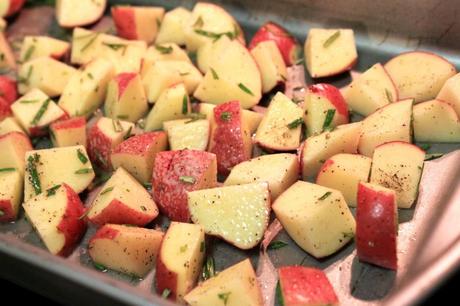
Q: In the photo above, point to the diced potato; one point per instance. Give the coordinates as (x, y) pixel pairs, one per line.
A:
(316, 217)
(50, 167)
(10, 124)
(172, 28)
(37, 46)
(11, 183)
(128, 249)
(69, 132)
(279, 170)
(238, 214)
(13, 147)
(187, 134)
(235, 286)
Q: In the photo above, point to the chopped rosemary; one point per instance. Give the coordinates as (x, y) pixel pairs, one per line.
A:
(215, 36)
(224, 296)
(214, 74)
(245, 89)
(29, 53)
(115, 47)
(183, 248)
(328, 120)
(143, 208)
(279, 294)
(7, 169)
(209, 269)
(106, 190)
(226, 116)
(117, 127)
(185, 105)
(93, 38)
(123, 117)
(277, 245)
(100, 267)
(128, 133)
(32, 168)
(164, 50)
(84, 171)
(195, 116)
(82, 157)
(331, 39)
(28, 101)
(52, 191)
(424, 146)
(324, 196)
(2, 213)
(198, 23)
(389, 95)
(26, 80)
(147, 185)
(294, 124)
(90, 75)
(165, 293)
(187, 179)
(40, 112)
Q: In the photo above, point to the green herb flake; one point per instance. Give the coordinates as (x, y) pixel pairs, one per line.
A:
(106, 190)
(294, 124)
(198, 23)
(226, 116)
(245, 89)
(82, 157)
(143, 208)
(195, 116)
(115, 47)
(93, 38)
(128, 133)
(90, 75)
(123, 117)
(389, 95)
(165, 293)
(324, 196)
(331, 39)
(424, 146)
(187, 179)
(34, 179)
(26, 80)
(202, 247)
(100, 267)
(117, 127)
(52, 191)
(84, 171)
(184, 248)
(148, 185)
(185, 105)
(328, 120)
(275, 245)
(28, 101)
(348, 235)
(158, 23)
(7, 169)
(214, 74)
(279, 294)
(224, 297)
(433, 156)
(2, 213)
(40, 112)
(209, 269)
(164, 50)
(29, 53)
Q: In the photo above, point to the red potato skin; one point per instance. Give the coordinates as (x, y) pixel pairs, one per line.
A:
(99, 147)
(287, 44)
(71, 123)
(123, 80)
(5, 109)
(169, 192)
(332, 94)
(117, 212)
(139, 144)
(8, 89)
(15, 6)
(7, 210)
(19, 137)
(376, 225)
(165, 279)
(227, 137)
(305, 286)
(71, 225)
(125, 21)
(105, 232)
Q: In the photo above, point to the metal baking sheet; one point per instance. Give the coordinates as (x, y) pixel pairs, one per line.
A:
(428, 237)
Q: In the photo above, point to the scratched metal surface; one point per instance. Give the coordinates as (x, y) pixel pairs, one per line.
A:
(382, 30)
